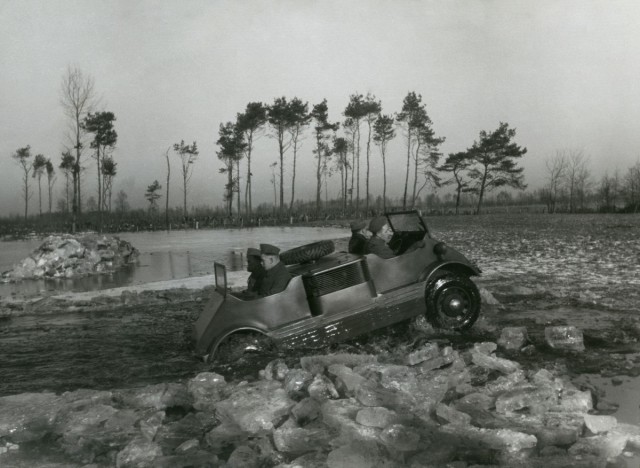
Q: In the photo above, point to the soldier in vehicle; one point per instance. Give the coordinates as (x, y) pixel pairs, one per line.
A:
(380, 234)
(276, 275)
(254, 266)
(358, 241)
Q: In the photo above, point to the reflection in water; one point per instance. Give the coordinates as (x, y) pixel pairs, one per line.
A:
(167, 255)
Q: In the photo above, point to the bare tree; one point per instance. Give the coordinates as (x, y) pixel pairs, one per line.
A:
(77, 99)
(122, 205)
(631, 188)
(556, 173)
(21, 157)
(584, 186)
(576, 176)
(609, 191)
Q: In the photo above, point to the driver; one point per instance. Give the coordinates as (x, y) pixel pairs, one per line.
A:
(276, 276)
(381, 234)
(358, 241)
(254, 266)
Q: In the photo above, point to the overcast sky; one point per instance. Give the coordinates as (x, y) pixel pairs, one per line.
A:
(565, 74)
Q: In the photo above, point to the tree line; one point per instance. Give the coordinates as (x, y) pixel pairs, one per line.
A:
(346, 148)
(571, 187)
(342, 148)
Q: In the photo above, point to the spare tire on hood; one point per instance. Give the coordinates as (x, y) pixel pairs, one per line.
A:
(307, 253)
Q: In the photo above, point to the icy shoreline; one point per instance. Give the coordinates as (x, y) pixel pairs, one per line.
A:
(187, 287)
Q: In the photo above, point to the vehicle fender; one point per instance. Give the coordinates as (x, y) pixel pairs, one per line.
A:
(450, 265)
(226, 334)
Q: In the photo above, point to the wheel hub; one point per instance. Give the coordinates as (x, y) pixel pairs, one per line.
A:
(454, 305)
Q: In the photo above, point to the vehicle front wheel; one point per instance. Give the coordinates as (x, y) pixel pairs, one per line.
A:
(453, 302)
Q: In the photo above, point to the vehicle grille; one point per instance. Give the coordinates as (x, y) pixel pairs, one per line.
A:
(335, 280)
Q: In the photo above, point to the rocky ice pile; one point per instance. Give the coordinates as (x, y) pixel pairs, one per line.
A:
(432, 407)
(68, 256)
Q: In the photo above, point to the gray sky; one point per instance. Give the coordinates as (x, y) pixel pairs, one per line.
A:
(563, 73)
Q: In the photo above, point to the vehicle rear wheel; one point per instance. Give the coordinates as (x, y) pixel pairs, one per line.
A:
(238, 345)
(307, 253)
(453, 302)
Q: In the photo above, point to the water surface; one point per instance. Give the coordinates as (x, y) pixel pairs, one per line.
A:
(166, 255)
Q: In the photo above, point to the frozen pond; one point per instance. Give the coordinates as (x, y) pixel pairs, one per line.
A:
(168, 255)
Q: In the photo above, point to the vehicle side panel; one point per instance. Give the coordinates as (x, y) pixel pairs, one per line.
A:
(391, 273)
(382, 311)
(262, 314)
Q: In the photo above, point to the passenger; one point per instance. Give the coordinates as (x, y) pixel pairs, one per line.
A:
(276, 275)
(358, 241)
(380, 234)
(254, 266)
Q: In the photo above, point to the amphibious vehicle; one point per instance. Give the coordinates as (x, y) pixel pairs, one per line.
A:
(335, 296)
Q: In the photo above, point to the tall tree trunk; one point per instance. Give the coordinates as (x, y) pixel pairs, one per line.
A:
(415, 175)
(238, 188)
(318, 173)
(366, 205)
(358, 165)
(50, 188)
(384, 181)
(293, 174)
(66, 176)
(26, 196)
(184, 191)
(248, 208)
(481, 195)
(166, 202)
(281, 148)
(406, 177)
(230, 189)
(79, 181)
(40, 194)
(353, 170)
(99, 180)
(345, 184)
(76, 208)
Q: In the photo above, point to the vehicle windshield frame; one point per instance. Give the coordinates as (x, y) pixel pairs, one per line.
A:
(399, 221)
(220, 275)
